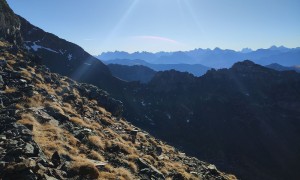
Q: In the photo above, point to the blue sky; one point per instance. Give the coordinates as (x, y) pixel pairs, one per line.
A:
(166, 25)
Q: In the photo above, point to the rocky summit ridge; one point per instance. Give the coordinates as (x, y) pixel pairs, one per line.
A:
(55, 128)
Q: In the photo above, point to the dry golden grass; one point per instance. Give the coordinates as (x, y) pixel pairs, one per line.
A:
(126, 148)
(26, 74)
(20, 55)
(124, 173)
(46, 87)
(149, 159)
(3, 44)
(76, 93)
(30, 69)
(11, 62)
(28, 119)
(79, 121)
(96, 141)
(101, 110)
(35, 101)
(111, 132)
(50, 137)
(85, 169)
(65, 84)
(55, 106)
(107, 176)
(96, 156)
(231, 177)
(40, 77)
(9, 90)
(133, 167)
(96, 126)
(67, 108)
(19, 106)
(132, 157)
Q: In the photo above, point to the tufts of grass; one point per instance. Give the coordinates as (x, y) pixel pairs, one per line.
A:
(96, 156)
(124, 173)
(79, 122)
(35, 101)
(96, 141)
(84, 169)
(9, 90)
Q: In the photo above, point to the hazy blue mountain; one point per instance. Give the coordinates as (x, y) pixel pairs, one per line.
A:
(279, 67)
(246, 50)
(195, 69)
(139, 73)
(215, 58)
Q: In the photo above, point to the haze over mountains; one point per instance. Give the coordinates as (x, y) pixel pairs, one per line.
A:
(214, 58)
(245, 119)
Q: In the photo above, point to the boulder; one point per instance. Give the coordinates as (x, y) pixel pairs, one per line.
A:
(149, 170)
(29, 150)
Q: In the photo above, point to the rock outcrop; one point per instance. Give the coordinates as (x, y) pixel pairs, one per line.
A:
(9, 24)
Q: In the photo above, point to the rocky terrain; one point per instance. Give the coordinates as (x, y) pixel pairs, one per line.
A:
(55, 128)
(245, 119)
(10, 25)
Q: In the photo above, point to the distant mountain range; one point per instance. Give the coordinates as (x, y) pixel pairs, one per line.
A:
(195, 69)
(245, 119)
(215, 58)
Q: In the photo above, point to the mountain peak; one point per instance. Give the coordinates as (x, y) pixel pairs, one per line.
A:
(246, 50)
(245, 66)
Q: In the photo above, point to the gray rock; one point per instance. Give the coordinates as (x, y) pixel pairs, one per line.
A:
(149, 170)
(29, 149)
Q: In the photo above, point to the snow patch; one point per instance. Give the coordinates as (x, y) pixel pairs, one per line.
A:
(168, 115)
(70, 56)
(36, 47)
(62, 51)
(87, 64)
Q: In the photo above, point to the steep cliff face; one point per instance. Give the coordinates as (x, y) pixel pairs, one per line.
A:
(53, 127)
(9, 24)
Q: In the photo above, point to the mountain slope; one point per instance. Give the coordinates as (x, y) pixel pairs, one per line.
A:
(244, 119)
(66, 58)
(279, 67)
(132, 73)
(9, 24)
(55, 128)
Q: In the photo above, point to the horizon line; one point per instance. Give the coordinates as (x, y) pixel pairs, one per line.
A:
(154, 52)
